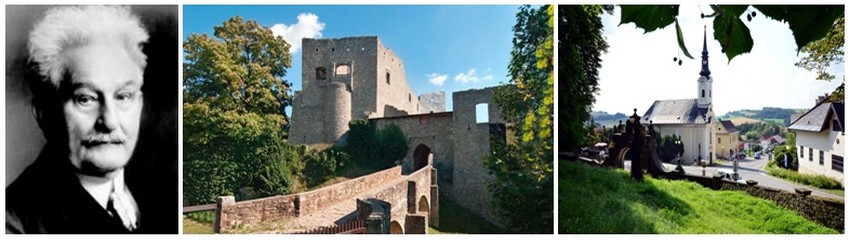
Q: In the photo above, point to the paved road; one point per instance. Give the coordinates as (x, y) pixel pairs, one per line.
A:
(751, 169)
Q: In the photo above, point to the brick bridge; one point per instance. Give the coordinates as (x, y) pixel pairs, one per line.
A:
(388, 201)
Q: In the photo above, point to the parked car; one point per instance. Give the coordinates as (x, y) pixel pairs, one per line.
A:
(731, 176)
(758, 155)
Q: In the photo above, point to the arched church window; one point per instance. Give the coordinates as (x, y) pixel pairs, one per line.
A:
(321, 73)
(703, 93)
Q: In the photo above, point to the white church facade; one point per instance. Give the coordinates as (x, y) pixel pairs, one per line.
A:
(691, 119)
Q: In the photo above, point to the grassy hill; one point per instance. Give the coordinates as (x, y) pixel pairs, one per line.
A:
(597, 200)
(741, 120)
(779, 116)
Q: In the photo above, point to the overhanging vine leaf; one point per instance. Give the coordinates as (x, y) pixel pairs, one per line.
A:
(731, 32)
(682, 41)
(649, 18)
(807, 23)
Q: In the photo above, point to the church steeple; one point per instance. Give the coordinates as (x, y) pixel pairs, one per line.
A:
(705, 71)
(704, 81)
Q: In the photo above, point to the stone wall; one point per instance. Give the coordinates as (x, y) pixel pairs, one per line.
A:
(432, 102)
(431, 130)
(295, 205)
(373, 80)
(327, 196)
(826, 211)
(471, 146)
(392, 88)
(398, 194)
(258, 210)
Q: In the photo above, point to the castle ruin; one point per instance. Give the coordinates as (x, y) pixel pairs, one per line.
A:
(352, 78)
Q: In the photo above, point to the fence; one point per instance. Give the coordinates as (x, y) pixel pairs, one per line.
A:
(353, 227)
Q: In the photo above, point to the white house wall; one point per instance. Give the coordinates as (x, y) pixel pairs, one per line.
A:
(820, 141)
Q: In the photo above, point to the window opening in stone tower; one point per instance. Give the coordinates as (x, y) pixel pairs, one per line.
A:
(703, 93)
(343, 69)
(321, 73)
(482, 113)
(388, 78)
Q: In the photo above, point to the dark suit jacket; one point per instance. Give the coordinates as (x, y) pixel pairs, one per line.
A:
(48, 198)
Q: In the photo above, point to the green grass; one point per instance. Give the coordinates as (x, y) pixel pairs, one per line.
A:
(455, 219)
(191, 226)
(597, 200)
(818, 181)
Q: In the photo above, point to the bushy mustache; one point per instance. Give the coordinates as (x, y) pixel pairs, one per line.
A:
(99, 139)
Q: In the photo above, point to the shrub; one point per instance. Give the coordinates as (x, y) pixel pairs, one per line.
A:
(373, 147)
(393, 145)
(669, 147)
(319, 166)
(818, 181)
(779, 154)
(228, 151)
(202, 217)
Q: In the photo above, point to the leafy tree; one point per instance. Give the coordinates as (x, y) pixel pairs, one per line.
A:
(789, 149)
(234, 120)
(757, 147)
(375, 148)
(819, 55)
(837, 95)
(807, 23)
(752, 136)
(319, 166)
(580, 49)
(670, 147)
(241, 69)
(393, 144)
(523, 187)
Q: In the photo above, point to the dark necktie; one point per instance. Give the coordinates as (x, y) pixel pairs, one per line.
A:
(115, 213)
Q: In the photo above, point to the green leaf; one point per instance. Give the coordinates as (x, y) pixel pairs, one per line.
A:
(682, 41)
(807, 23)
(649, 18)
(731, 32)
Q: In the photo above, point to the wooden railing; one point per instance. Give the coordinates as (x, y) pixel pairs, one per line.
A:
(199, 208)
(353, 227)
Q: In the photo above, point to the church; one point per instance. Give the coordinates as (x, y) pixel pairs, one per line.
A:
(691, 119)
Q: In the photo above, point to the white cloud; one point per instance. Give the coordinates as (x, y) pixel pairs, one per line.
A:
(471, 77)
(437, 79)
(308, 26)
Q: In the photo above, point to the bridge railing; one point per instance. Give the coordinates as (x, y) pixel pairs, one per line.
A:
(353, 227)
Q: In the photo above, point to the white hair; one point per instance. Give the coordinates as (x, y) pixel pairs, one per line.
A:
(67, 27)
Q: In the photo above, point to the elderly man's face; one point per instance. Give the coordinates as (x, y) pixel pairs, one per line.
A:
(104, 108)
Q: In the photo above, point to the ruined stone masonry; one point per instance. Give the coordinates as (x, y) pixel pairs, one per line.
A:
(352, 78)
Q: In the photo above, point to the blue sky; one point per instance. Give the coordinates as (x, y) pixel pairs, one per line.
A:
(639, 69)
(444, 48)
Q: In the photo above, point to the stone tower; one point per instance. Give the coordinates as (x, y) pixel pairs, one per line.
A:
(344, 79)
(704, 81)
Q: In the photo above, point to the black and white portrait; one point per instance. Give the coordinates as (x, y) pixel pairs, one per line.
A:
(91, 119)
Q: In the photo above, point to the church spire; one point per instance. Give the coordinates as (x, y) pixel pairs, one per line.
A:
(705, 71)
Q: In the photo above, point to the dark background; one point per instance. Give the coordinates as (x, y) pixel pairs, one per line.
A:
(155, 157)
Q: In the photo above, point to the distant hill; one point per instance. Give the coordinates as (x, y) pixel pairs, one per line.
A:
(741, 120)
(780, 116)
(606, 119)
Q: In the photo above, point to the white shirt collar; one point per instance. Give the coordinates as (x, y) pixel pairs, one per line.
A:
(100, 188)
